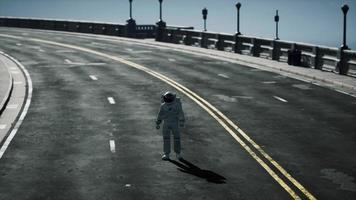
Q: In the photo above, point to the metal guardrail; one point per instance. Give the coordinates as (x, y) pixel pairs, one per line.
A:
(317, 57)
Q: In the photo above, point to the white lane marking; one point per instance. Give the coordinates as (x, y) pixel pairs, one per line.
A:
(93, 77)
(255, 70)
(243, 97)
(112, 146)
(12, 106)
(69, 62)
(18, 82)
(65, 51)
(128, 185)
(24, 111)
(111, 100)
(225, 98)
(343, 92)
(18, 44)
(2, 126)
(139, 51)
(302, 86)
(314, 83)
(171, 60)
(224, 76)
(269, 82)
(280, 99)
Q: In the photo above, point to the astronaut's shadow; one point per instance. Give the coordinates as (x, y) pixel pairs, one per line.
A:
(189, 168)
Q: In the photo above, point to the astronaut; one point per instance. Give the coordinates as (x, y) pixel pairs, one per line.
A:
(171, 113)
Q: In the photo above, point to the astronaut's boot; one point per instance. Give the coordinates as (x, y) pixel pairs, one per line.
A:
(165, 157)
(179, 156)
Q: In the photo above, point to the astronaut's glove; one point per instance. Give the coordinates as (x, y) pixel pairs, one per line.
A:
(158, 122)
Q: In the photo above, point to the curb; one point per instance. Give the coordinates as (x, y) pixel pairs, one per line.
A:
(9, 90)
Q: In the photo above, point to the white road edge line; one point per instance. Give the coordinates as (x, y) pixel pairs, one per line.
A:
(93, 77)
(280, 99)
(112, 146)
(111, 100)
(25, 109)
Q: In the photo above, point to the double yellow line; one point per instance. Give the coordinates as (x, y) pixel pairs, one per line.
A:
(238, 134)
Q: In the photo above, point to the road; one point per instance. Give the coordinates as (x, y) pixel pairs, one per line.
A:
(89, 94)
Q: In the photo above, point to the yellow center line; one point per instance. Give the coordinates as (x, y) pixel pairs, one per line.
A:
(210, 109)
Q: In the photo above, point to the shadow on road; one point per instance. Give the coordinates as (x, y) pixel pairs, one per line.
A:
(189, 168)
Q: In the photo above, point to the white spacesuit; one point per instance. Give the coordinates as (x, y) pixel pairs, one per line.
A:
(171, 113)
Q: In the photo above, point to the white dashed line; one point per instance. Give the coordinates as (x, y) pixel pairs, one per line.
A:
(112, 146)
(111, 100)
(243, 97)
(18, 82)
(223, 75)
(280, 99)
(93, 77)
(13, 106)
(171, 60)
(2, 126)
(18, 44)
(269, 82)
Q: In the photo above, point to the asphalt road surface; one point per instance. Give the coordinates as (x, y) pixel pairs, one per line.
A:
(90, 132)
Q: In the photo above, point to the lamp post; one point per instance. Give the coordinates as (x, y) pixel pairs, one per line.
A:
(130, 9)
(131, 24)
(238, 6)
(160, 10)
(345, 9)
(276, 19)
(161, 25)
(205, 15)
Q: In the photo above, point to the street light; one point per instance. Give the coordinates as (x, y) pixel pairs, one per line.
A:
(205, 14)
(276, 19)
(130, 9)
(160, 10)
(238, 6)
(344, 9)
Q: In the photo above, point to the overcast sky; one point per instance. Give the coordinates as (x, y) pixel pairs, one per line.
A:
(313, 21)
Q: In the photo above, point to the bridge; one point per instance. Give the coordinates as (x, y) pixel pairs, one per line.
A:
(266, 119)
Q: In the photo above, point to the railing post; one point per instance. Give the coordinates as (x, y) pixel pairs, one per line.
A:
(220, 43)
(203, 41)
(276, 51)
(255, 51)
(188, 38)
(342, 65)
(238, 44)
(317, 58)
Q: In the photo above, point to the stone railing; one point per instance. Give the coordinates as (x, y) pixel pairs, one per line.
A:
(141, 31)
(299, 54)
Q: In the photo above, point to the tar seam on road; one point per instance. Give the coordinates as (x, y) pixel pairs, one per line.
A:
(216, 114)
(25, 108)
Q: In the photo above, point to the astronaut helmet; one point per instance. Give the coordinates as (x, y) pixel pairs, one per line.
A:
(168, 97)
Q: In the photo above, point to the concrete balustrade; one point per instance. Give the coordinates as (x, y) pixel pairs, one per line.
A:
(317, 57)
